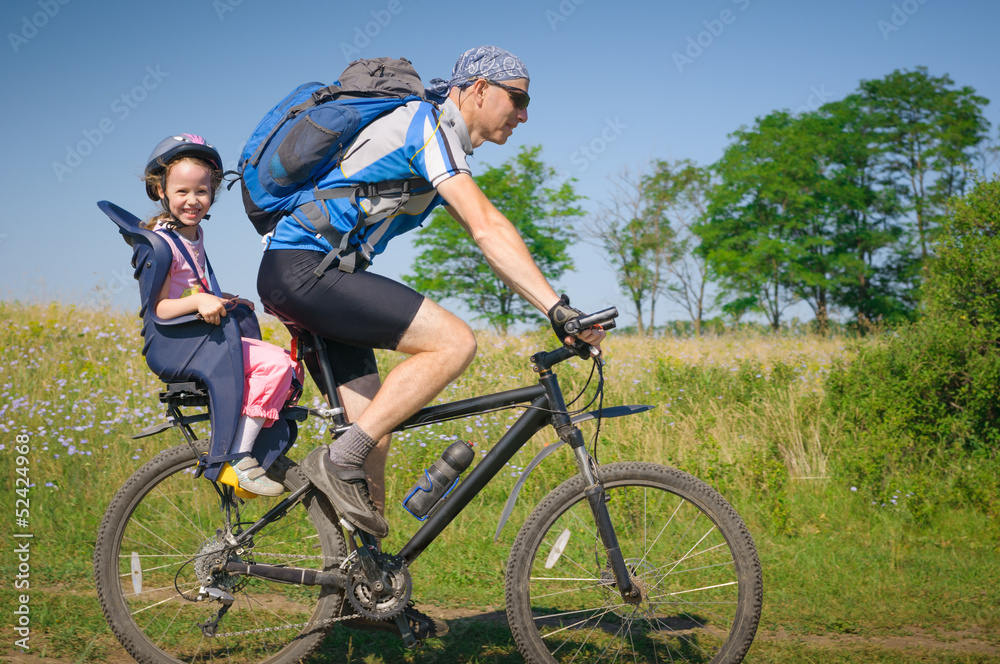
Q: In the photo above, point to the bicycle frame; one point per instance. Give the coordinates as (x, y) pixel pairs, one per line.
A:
(544, 406)
(540, 412)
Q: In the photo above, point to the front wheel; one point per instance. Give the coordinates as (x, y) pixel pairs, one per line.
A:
(162, 539)
(689, 554)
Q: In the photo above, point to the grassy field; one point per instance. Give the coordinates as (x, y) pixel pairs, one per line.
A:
(846, 579)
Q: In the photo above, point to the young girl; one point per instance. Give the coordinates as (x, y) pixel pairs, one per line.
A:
(183, 173)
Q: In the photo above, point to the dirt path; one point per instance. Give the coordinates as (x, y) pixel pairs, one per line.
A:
(963, 641)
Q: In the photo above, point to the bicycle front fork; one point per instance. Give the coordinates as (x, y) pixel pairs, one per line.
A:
(572, 435)
(602, 519)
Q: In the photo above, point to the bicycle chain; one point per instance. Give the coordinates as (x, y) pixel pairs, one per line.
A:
(291, 555)
(327, 621)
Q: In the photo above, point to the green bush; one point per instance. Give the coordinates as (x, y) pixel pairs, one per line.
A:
(965, 275)
(919, 395)
(921, 402)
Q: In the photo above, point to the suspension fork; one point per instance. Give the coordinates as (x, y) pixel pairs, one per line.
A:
(596, 496)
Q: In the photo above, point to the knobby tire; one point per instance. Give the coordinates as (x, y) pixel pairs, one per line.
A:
(163, 520)
(688, 550)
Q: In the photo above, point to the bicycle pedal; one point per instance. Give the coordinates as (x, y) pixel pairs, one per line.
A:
(228, 476)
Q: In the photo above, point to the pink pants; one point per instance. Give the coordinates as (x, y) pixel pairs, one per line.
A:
(267, 382)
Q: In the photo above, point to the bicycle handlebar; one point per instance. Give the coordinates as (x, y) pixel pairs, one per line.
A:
(605, 318)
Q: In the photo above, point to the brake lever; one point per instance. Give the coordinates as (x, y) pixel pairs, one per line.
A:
(584, 350)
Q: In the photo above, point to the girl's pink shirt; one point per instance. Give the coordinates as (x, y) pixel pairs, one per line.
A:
(183, 280)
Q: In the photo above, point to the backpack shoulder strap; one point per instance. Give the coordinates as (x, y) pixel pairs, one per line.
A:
(318, 215)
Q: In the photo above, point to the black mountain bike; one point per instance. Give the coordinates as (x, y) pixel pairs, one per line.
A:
(625, 562)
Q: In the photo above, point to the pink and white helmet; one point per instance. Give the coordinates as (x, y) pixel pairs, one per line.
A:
(182, 144)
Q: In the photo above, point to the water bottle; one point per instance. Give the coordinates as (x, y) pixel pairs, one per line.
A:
(439, 479)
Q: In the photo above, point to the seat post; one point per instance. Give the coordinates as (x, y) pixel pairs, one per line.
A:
(314, 343)
(323, 359)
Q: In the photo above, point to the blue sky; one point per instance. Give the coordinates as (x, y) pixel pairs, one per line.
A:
(91, 87)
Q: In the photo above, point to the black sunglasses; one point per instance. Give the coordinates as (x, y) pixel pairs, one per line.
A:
(518, 97)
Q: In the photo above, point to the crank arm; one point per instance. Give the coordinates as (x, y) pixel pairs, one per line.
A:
(409, 641)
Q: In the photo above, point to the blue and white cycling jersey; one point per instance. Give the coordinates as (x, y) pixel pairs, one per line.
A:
(415, 140)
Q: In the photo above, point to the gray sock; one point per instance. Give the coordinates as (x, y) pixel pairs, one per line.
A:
(351, 449)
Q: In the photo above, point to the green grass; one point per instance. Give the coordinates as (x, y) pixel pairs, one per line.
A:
(844, 578)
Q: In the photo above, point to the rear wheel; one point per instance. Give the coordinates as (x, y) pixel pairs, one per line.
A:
(689, 553)
(158, 542)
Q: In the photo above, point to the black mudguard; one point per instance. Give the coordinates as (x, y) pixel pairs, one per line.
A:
(616, 411)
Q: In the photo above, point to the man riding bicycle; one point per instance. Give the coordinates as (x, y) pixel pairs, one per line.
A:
(356, 311)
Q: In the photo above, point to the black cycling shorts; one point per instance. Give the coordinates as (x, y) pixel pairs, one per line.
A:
(354, 312)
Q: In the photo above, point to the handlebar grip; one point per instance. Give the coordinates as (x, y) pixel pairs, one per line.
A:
(604, 318)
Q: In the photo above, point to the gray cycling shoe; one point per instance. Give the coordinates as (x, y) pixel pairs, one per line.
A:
(347, 491)
(422, 625)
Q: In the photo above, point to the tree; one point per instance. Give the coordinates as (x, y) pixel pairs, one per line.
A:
(759, 234)
(451, 266)
(964, 281)
(682, 188)
(635, 234)
(836, 207)
(878, 279)
(928, 132)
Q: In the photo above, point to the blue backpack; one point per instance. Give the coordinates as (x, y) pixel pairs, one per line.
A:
(304, 137)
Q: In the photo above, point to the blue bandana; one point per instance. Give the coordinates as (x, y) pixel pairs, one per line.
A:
(489, 62)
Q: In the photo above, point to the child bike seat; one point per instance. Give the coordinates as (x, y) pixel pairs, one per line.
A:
(187, 349)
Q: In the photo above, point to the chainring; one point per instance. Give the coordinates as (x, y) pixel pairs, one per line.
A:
(380, 603)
